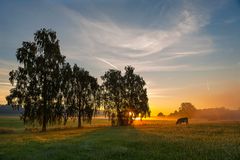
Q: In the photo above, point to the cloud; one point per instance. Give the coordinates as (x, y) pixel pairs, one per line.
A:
(154, 68)
(193, 52)
(231, 20)
(137, 42)
(5, 84)
(117, 44)
(107, 62)
(154, 92)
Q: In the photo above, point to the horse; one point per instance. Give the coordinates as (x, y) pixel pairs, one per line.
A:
(182, 120)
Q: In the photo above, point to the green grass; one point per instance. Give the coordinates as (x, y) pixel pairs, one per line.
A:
(146, 140)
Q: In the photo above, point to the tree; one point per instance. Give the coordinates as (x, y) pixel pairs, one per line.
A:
(160, 114)
(187, 109)
(124, 97)
(67, 92)
(36, 81)
(81, 95)
(112, 94)
(135, 94)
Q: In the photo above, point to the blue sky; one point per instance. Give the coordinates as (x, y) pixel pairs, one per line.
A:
(185, 50)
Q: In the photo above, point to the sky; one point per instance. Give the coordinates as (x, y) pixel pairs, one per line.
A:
(186, 50)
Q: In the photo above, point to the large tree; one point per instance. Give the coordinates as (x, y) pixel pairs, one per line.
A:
(136, 98)
(67, 91)
(124, 97)
(36, 81)
(112, 94)
(187, 109)
(81, 94)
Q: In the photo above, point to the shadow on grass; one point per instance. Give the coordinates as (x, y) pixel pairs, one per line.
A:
(128, 142)
(6, 131)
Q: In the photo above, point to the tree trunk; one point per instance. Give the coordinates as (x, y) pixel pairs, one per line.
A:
(79, 119)
(44, 125)
(120, 118)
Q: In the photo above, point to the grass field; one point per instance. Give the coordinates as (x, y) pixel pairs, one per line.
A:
(145, 140)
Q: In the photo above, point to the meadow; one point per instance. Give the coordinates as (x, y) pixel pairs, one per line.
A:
(148, 139)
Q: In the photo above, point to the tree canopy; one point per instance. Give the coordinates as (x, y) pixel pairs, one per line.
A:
(160, 114)
(124, 97)
(186, 109)
(82, 94)
(36, 80)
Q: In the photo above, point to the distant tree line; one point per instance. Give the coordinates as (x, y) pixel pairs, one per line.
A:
(51, 90)
(187, 109)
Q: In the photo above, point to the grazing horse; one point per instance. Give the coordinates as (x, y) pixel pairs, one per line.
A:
(182, 120)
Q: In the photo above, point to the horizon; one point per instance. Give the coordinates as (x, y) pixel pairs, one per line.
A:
(186, 51)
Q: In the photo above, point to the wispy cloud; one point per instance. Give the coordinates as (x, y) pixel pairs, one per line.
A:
(107, 62)
(5, 84)
(163, 92)
(231, 20)
(117, 45)
(193, 52)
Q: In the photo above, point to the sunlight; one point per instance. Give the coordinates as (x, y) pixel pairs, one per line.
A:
(130, 113)
(137, 119)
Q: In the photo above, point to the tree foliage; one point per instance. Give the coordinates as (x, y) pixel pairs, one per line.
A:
(124, 97)
(36, 85)
(82, 97)
(160, 114)
(186, 109)
(112, 94)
